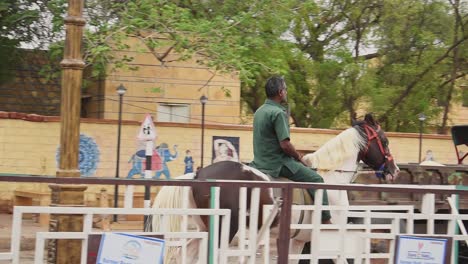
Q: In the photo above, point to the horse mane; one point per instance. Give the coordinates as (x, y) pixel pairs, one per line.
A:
(335, 151)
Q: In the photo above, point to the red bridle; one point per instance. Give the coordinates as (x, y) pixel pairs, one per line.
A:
(372, 134)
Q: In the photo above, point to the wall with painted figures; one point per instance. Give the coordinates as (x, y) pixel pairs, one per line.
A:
(29, 145)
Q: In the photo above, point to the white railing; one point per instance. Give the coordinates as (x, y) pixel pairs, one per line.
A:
(357, 244)
(342, 241)
(89, 212)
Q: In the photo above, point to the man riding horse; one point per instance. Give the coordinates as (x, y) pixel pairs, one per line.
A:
(336, 160)
(274, 154)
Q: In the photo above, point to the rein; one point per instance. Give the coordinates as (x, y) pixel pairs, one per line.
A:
(372, 134)
(355, 171)
(380, 171)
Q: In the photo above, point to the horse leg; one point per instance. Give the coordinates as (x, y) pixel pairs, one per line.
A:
(234, 225)
(306, 250)
(192, 256)
(296, 247)
(193, 247)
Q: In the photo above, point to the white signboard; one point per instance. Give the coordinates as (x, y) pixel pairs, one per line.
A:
(147, 129)
(119, 248)
(421, 250)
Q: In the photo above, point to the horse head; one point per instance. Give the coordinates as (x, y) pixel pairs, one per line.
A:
(376, 153)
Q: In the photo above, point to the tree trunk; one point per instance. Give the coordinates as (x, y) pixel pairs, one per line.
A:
(453, 76)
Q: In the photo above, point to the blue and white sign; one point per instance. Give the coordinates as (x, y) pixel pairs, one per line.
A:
(421, 250)
(119, 248)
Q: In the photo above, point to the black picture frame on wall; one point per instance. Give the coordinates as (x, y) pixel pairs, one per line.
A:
(225, 148)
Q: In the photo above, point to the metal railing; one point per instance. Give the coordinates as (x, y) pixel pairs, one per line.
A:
(286, 188)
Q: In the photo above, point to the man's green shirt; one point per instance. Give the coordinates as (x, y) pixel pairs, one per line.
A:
(270, 127)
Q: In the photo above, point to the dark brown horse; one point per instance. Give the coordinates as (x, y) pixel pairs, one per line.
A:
(336, 162)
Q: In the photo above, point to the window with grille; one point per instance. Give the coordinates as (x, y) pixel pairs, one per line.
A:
(177, 113)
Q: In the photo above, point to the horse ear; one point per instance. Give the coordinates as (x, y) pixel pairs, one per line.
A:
(357, 122)
(354, 119)
(369, 119)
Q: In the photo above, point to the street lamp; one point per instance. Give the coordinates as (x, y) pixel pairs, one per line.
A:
(120, 91)
(203, 100)
(421, 118)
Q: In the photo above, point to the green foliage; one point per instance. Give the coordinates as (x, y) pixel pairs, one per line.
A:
(17, 25)
(415, 38)
(396, 58)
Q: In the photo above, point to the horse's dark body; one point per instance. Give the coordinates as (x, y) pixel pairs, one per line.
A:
(229, 198)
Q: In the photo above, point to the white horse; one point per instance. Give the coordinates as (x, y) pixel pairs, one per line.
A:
(336, 161)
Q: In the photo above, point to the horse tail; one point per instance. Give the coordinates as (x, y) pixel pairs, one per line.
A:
(170, 197)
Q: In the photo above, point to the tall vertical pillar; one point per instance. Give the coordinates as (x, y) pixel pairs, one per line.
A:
(69, 251)
(63, 250)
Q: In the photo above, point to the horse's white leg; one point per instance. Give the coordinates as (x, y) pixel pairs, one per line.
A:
(193, 247)
(337, 197)
(295, 247)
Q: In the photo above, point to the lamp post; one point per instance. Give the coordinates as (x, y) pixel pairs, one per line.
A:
(203, 100)
(120, 91)
(421, 118)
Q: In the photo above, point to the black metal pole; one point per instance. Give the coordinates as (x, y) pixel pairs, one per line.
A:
(284, 224)
(420, 139)
(202, 134)
(117, 167)
(147, 187)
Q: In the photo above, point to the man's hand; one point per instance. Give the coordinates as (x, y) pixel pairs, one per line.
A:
(289, 149)
(303, 161)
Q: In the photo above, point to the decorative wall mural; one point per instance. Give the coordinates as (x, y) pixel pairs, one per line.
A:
(138, 161)
(166, 157)
(161, 156)
(225, 148)
(188, 161)
(88, 158)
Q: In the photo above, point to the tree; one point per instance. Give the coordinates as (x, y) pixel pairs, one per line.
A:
(393, 57)
(416, 47)
(326, 77)
(459, 61)
(21, 22)
(227, 37)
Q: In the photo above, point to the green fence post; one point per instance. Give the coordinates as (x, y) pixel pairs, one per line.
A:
(212, 205)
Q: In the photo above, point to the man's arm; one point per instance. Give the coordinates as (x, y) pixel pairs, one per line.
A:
(289, 149)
